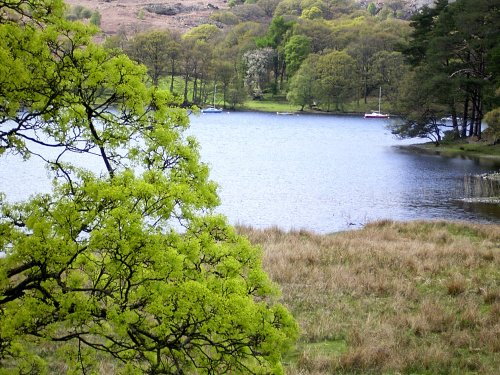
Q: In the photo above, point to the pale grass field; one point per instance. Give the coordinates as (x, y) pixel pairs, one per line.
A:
(392, 298)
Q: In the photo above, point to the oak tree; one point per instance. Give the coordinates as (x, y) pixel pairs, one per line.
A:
(124, 260)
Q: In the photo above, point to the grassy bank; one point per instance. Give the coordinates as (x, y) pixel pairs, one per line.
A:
(461, 148)
(409, 298)
(278, 103)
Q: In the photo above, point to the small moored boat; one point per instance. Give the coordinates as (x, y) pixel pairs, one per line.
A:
(377, 114)
(211, 110)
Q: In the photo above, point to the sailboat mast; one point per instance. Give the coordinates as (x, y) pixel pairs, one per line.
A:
(379, 97)
(215, 91)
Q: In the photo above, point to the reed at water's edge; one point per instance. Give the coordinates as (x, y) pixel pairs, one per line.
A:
(486, 185)
(417, 297)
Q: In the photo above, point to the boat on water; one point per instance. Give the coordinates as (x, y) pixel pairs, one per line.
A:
(377, 114)
(213, 108)
(285, 113)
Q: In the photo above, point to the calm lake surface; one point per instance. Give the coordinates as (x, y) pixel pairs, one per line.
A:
(317, 172)
(329, 173)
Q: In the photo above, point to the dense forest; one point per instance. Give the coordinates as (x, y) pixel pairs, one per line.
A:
(430, 62)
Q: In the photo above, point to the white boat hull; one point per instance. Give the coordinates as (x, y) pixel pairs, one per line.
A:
(211, 110)
(376, 115)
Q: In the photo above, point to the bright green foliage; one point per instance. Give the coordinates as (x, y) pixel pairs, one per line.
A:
(296, 50)
(276, 33)
(95, 18)
(492, 118)
(312, 13)
(203, 32)
(335, 75)
(388, 71)
(127, 264)
(372, 9)
(288, 7)
(303, 86)
(155, 50)
(324, 80)
(78, 12)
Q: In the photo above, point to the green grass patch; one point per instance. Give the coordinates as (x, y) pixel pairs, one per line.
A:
(463, 230)
(475, 149)
(332, 347)
(270, 106)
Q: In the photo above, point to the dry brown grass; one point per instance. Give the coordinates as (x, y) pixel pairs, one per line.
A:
(418, 297)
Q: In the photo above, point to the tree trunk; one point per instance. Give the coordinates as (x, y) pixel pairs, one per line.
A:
(195, 87)
(479, 116)
(365, 87)
(465, 116)
(186, 81)
(282, 74)
(224, 95)
(473, 115)
(172, 75)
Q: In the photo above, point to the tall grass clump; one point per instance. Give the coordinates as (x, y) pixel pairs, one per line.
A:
(417, 297)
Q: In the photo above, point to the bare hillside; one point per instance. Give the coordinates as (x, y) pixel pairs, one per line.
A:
(140, 15)
(134, 16)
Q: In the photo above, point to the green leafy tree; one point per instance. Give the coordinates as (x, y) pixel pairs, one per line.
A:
(296, 50)
(225, 17)
(198, 59)
(125, 258)
(250, 12)
(312, 13)
(362, 50)
(372, 9)
(316, 9)
(268, 6)
(492, 118)
(303, 88)
(456, 40)
(206, 33)
(151, 49)
(336, 73)
(236, 94)
(319, 32)
(420, 112)
(388, 70)
(276, 38)
(173, 55)
(289, 8)
(226, 75)
(95, 18)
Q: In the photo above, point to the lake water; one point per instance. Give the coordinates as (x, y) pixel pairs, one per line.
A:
(317, 172)
(329, 173)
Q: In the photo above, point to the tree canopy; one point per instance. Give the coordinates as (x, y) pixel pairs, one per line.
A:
(452, 50)
(124, 260)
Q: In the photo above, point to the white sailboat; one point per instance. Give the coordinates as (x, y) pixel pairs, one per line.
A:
(212, 109)
(377, 114)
